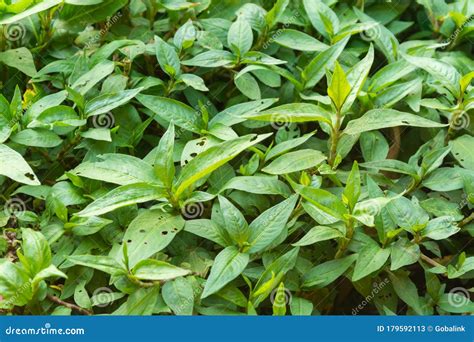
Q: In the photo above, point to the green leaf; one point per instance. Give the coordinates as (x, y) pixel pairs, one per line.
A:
(193, 81)
(86, 226)
(20, 59)
(15, 167)
(321, 17)
(236, 225)
(26, 12)
(265, 185)
(171, 110)
(339, 88)
(406, 290)
(323, 200)
(294, 112)
(123, 196)
(91, 14)
(157, 270)
(207, 229)
(383, 118)
(316, 69)
(228, 265)
(442, 71)
(295, 161)
(248, 86)
(356, 76)
(440, 228)
(297, 40)
(140, 303)
(273, 274)
(49, 272)
(392, 165)
(462, 149)
(327, 272)
(88, 80)
(211, 59)
(179, 296)
(150, 232)
(37, 138)
(287, 145)
(317, 234)
(371, 258)
(403, 253)
(240, 36)
(105, 103)
(456, 301)
(274, 15)
(35, 251)
(407, 214)
(118, 169)
(99, 262)
(445, 179)
(279, 301)
(353, 189)
(269, 225)
(211, 159)
(167, 57)
(301, 307)
(13, 278)
(164, 162)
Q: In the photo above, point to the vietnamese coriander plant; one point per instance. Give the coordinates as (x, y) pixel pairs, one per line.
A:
(307, 157)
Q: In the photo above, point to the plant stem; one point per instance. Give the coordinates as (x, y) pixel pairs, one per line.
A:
(430, 261)
(69, 305)
(345, 242)
(335, 135)
(466, 220)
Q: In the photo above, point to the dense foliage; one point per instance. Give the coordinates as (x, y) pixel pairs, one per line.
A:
(281, 157)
